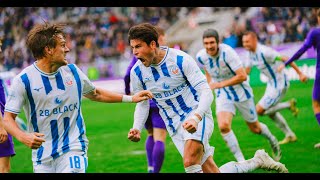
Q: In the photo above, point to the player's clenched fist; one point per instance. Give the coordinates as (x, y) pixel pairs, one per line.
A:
(33, 140)
(134, 135)
(3, 135)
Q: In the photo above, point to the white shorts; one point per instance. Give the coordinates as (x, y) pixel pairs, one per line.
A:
(70, 162)
(203, 134)
(272, 96)
(246, 108)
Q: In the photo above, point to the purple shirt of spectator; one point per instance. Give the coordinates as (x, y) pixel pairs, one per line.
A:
(312, 39)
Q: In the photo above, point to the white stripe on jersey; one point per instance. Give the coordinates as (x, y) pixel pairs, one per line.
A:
(172, 82)
(265, 60)
(52, 105)
(223, 67)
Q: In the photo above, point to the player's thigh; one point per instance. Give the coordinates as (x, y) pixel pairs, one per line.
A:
(72, 162)
(247, 110)
(203, 135)
(157, 121)
(4, 164)
(47, 167)
(225, 119)
(159, 134)
(225, 105)
(271, 97)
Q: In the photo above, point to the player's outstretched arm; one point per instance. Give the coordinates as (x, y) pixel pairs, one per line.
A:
(102, 95)
(302, 77)
(240, 76)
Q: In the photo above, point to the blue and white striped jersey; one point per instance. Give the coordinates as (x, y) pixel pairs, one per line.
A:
(223, 67)
(265, 60)
(173, 83)
(52, 105)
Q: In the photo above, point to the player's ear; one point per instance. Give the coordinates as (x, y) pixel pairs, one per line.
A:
(153, 44)
(48, 50)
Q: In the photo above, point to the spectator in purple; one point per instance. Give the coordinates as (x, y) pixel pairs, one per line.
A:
(312, 39)
(6, 142)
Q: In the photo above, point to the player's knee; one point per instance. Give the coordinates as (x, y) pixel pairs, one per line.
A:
(255, 128)
(260, 112)
(4, 169)
(187, 162)
(224, 127)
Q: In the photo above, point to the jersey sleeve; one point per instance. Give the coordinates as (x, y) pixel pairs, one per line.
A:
(199, 60)
(233, 59)
(246, 61)
(198, 80)
(136, 79)
(192, 72)
(271, 54)
(87, 84)
(16, 96)
(127, 76)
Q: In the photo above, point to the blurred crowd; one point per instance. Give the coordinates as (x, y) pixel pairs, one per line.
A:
(273, 25)
(98, 35)
(94, 34)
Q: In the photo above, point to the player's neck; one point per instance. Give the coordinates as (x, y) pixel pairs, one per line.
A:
(46, 66)
(159, 55)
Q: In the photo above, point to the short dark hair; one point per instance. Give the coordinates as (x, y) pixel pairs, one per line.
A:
(211, 33)
(251, 33)
(43, 35)
(145, 32)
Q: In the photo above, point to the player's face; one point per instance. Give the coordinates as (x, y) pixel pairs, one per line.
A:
(211, 45)
(145, 53)
(249, 42)
(60, 51)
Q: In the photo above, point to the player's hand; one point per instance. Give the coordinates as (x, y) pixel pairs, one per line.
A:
(280, 68)
(3, 135)
(190, 125)
(134, 135)
(142, 96)
(303, 77)
(33, 140)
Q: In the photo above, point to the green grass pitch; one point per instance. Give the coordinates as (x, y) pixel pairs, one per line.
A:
(111, 152)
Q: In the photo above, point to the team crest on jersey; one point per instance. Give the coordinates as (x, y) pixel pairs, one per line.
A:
(165, 86)
(147, 78)
(175, 70)
(57, 100)
(69, 81)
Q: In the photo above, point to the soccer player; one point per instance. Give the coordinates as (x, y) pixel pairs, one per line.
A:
(227, 77)
(267, 60)
(50, 91)
(6, 142)
(312, 40)
(155, 142)
(184, 99)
